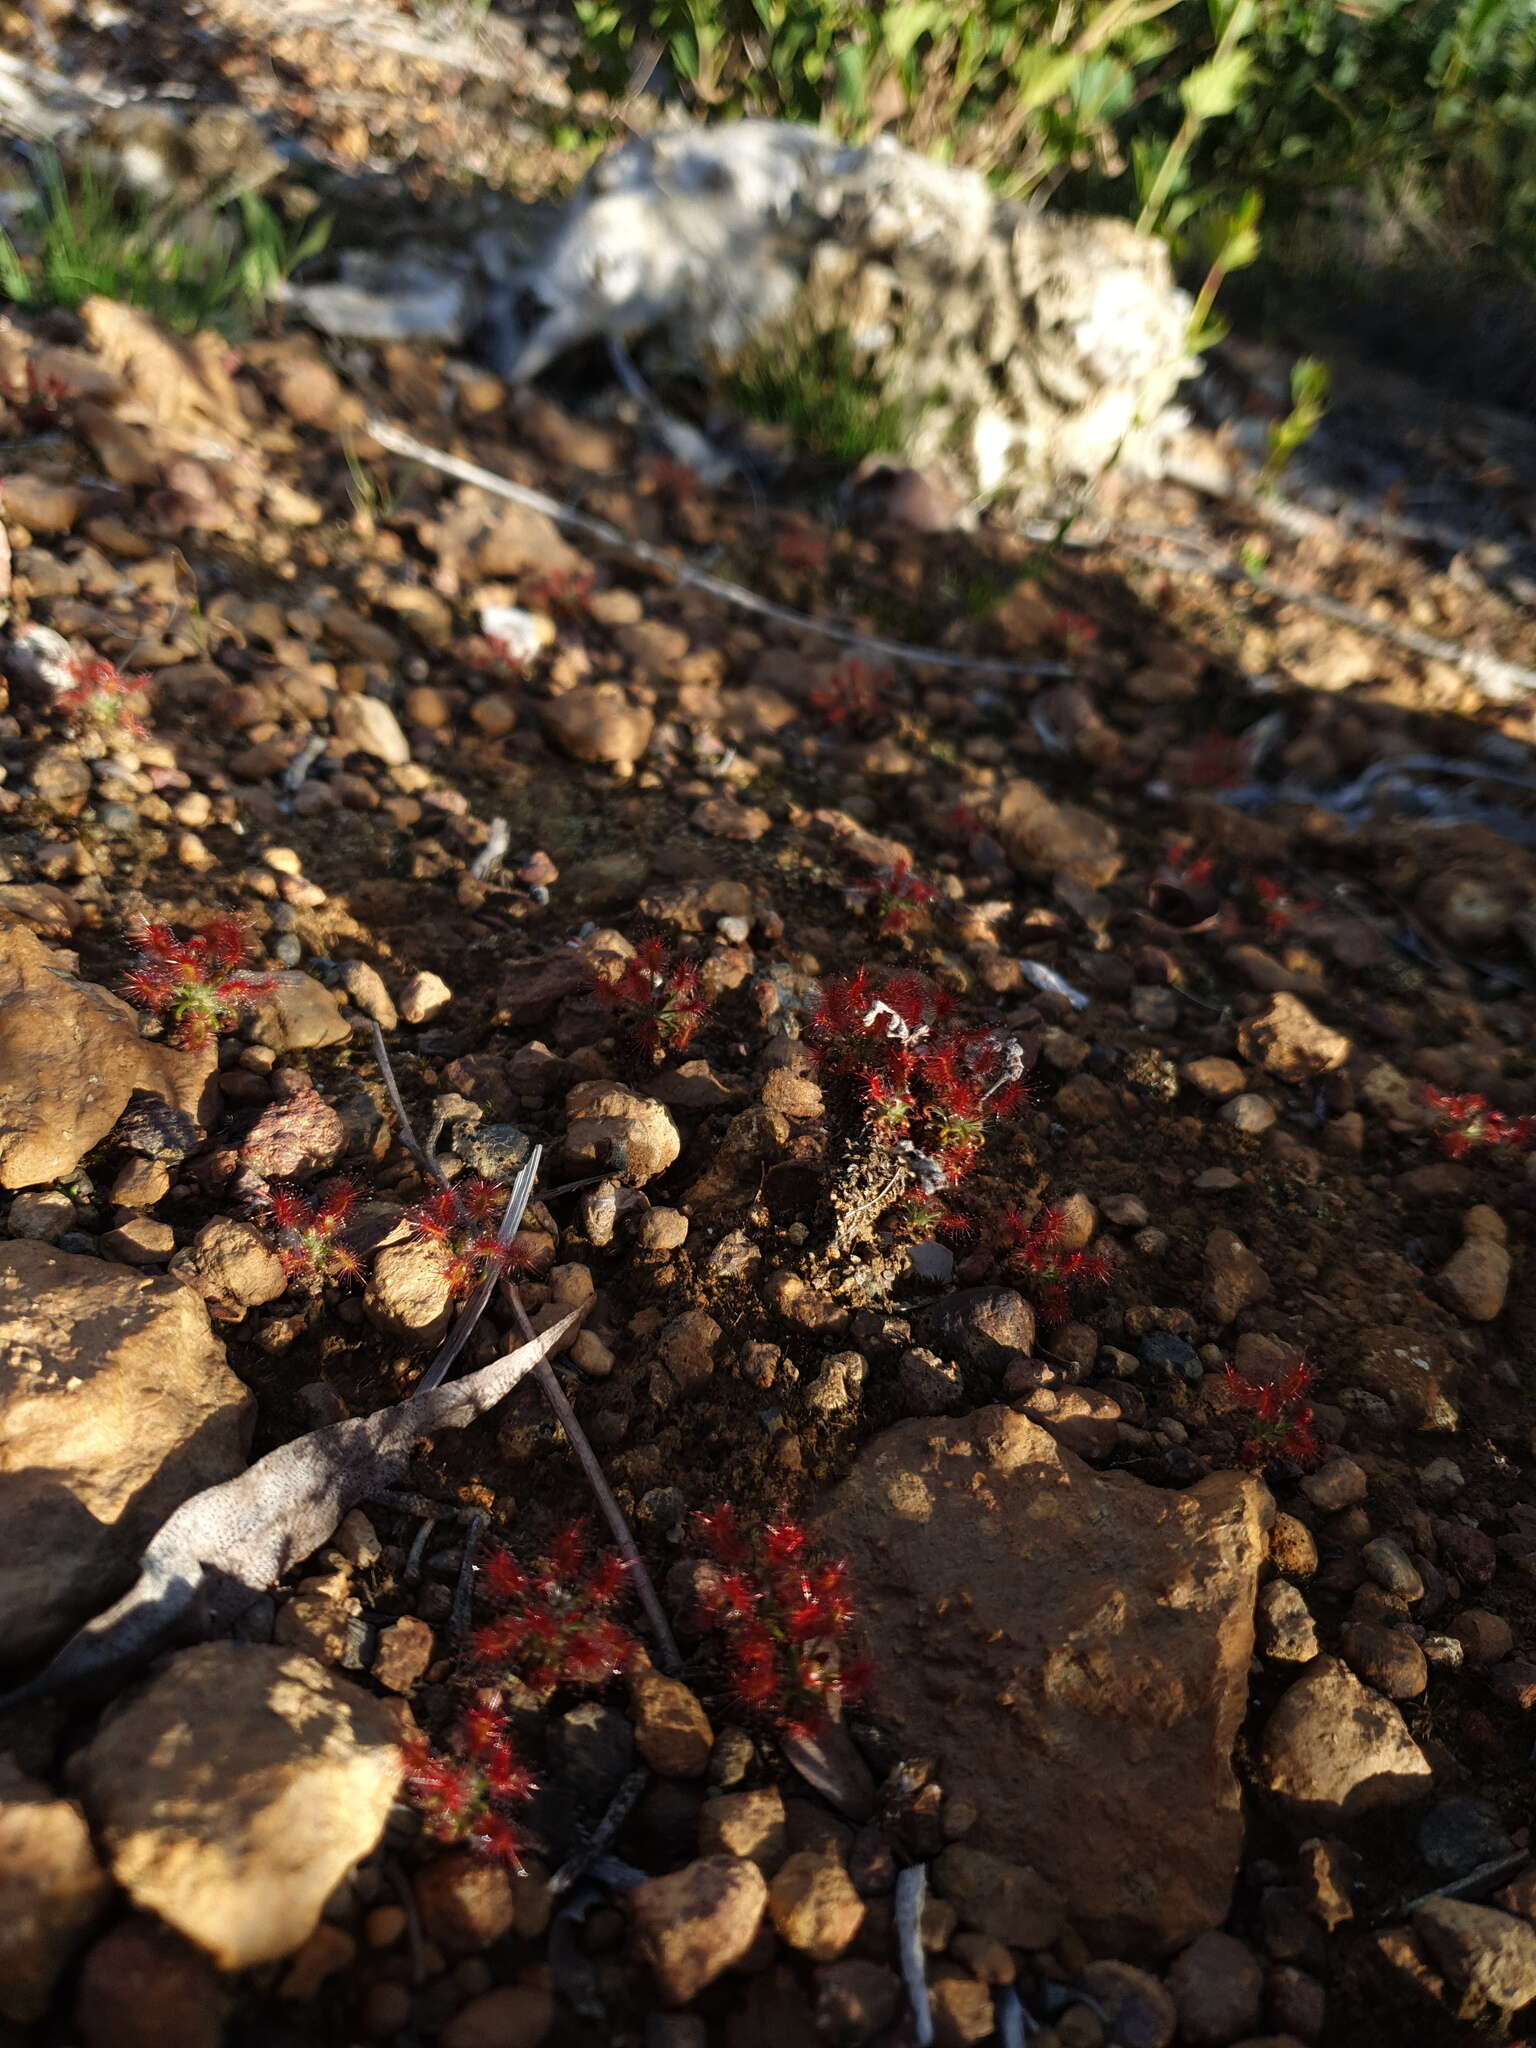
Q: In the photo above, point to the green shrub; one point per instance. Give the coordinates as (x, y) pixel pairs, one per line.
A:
(1163, 109)
(217, 266)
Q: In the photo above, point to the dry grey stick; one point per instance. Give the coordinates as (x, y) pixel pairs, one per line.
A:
(911, 1891)
(1501, 681)
(613, 1514)
(619, 1809)
(479, 1301)
(678, 571)
(227, 1545)
(550, 1387)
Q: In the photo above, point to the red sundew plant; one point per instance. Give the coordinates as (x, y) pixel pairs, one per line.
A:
(799, 547)
(674, 482)
(309, 1235)
(926, 1085)
(37, 398)
(567, 591)
(460, 1223)
(1277, 1416)
(656, 999)
(101, 700)
(1219, 761)
(1053, 1275)
(918, 1217)
(1465, 1122)
(1075, 630)
(558, 1628)
(897, 896)
(1279, 905)
(850, 694)
(1189, 869)
(787, 1623)
(462, 1793)
(198, 986)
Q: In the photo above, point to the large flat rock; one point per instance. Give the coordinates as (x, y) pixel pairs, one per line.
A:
(115, 1405)
(1073, 1648)
(70, 1057)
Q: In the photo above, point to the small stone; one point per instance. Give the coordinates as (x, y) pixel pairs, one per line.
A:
(1217, 1985)
(138, 1184)
(1217, 1079)
(1338, 1485)
(1333, 1749)
(926, 1385)
(141, 1986)
(1287, 1040)
(1485, 1637)
(365, 986)
(1250, 1114)
(1441, 1480)
(814, 1906)
(424, 997)
(1386, 1658)
(749, 1824)
(1286, 1631)
(232, 1266)
(511, 2016)
(1475, 1279)
(1168, 1359)
(51, 1890)
(694, 1924)
(498, 1151)
(661, 1230)
(687, 1346)
(328, 1950)
(981, 1326)
(1009, 1901)
(855, 2000)
(672, 1731)
(234, 1790)
(614, 1130)
(43, 1214)
(141, 1241)
(1459, 1835)
(366, 725)
(294, 1138)
(404, 1652)
(599, 723)
(299, 1014)
(1391, 1567)
(465, 1902)
(408, 1295)
(1234, 1279)
(1137, 2009)
(961, 2009)
(1292, 1547)
(1489, 1953)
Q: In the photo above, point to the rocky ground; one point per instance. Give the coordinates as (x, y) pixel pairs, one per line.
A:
(1197, 1697)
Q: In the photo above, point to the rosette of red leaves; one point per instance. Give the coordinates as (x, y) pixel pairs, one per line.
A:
(787, 1622)
(310, 1244)
(460, 1223)
(1052, 1274)
(100, 699)
(891, 1044)
(897, 895)
(849, 694)
(656, 1000)
(463, 1792)
(197, 986)
(557, 1627)
(1277, 1416)
(1465, 1122)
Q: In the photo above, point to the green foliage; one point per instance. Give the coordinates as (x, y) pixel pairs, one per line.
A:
(215, 267)
(1169, 110)
(1310, 385)
(810, 379)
